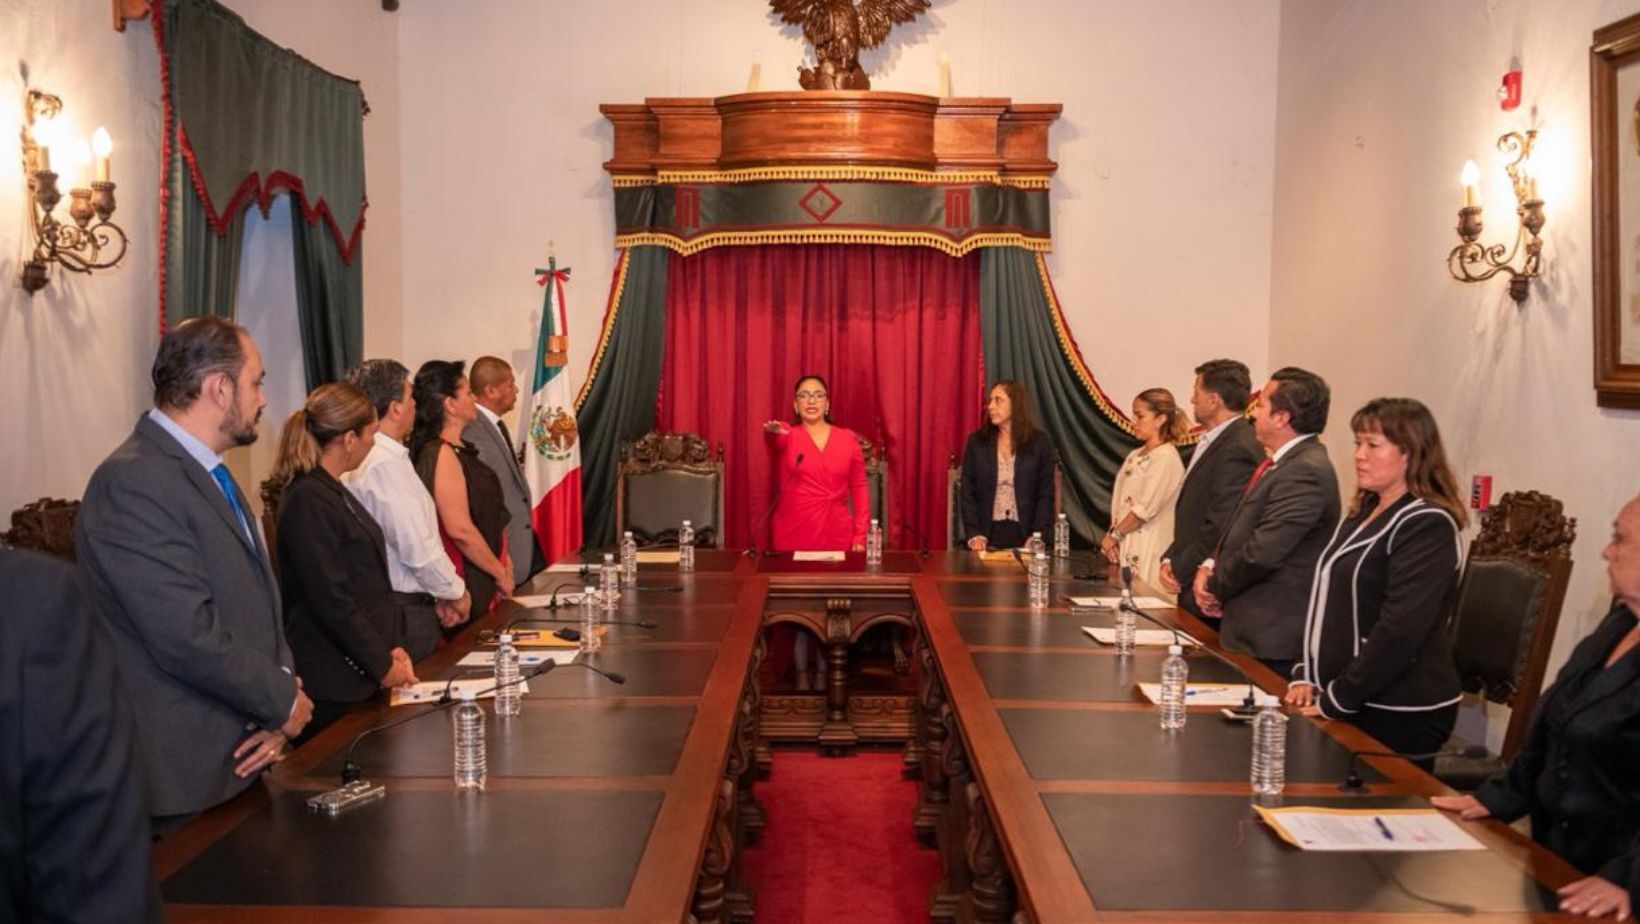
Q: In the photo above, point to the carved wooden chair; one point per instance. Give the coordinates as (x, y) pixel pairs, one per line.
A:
(272, 492)
(1509, 603)
(664, 479)
(46, 525)
(953, 499)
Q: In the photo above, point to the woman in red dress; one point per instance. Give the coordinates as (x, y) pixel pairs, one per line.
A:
(821, 474)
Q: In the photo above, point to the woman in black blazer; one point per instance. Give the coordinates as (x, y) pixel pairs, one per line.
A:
(1377, 652)
(1575, 776)
(346, 630)
(1010, 457)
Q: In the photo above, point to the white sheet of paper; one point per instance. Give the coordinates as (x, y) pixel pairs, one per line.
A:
(430, 691)
(1366, 829)
(1110, 603)
(660, 557)
(567, 567)
(1106, 636)
(537, 601)
(819, 556)
(1212, 694)
(528, 657)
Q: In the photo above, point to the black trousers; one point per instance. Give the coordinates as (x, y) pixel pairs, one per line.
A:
(1409, 732)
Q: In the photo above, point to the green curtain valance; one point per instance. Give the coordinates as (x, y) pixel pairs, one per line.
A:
(250, 118)
(948, 214)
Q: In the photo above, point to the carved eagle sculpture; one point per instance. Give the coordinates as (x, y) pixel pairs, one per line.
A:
(838, 30)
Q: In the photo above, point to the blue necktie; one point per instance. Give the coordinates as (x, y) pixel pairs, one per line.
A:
(225, 482)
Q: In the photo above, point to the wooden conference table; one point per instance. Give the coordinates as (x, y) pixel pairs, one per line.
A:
(1047, 785)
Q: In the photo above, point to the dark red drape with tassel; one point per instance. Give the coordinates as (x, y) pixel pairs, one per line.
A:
(894, 330)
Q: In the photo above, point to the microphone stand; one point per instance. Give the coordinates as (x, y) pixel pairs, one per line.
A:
(355, 789)
(640, 623)
(763, 521)
(906, 527)
(1352, 780)
(1249, 703)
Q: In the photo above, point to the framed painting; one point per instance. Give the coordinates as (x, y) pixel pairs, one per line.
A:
(1614, 83)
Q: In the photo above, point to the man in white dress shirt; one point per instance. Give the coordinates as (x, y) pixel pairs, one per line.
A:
(422, 575)
(496, 390)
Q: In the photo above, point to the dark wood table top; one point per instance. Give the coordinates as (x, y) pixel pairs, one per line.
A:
(600, 797)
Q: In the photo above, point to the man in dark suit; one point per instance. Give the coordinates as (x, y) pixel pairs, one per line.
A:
(1258, 579)
(182, 580)
(73, 830)
(1224, 459)
(496, 390)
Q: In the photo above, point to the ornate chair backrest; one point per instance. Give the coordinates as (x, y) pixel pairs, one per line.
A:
(46, 525)
(664, 479)
(272, 492)
(953, 499)
(1509, 603)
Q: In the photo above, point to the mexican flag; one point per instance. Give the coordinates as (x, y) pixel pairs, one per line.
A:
(552, 452)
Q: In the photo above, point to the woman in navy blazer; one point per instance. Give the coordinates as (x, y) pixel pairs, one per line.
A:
(1377, 652)
(1010, 456)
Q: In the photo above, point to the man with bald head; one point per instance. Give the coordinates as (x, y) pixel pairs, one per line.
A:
(182, 580)
(496, 390)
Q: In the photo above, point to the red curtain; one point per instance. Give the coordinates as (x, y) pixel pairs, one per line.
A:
(894, 331)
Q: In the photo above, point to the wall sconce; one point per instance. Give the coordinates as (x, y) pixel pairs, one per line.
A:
(83, 246)
(1474, 262)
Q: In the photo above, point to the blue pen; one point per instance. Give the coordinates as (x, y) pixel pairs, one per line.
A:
(1205, 690)
(1383, 827)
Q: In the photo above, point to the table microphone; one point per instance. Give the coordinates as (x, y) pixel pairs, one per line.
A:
(552, 602)
(1249, 703)
(351, 772)
(1352, 781)
(763, 521)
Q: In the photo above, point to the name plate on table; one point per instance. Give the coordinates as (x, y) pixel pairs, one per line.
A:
(1212, 694)
(1111, 603)
(432, 690)
(1312, 828)
(527, 658)
(1158, 637)
(819, 556)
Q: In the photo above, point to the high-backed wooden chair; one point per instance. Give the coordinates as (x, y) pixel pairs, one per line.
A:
(664, 479)
(1509, 603)
(956, 537)
(272, 492)
(46, 525)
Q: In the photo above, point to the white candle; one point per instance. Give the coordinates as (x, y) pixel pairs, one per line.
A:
(945, 75)
(1470, 177)
(103, 145)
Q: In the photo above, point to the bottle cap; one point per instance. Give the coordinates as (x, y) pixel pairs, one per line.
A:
(1175, 649)
(628, 533)
(467, 695)
(609, 557)
(587, 591)
(686, 522)
(506, 638)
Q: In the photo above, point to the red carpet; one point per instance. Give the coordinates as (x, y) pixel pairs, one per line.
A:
(838, 844)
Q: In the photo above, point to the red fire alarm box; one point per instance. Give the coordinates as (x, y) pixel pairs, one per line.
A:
(1480, 492)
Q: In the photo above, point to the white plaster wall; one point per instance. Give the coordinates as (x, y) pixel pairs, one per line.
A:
(74, 357)
(1380, 103)
(1162, 205)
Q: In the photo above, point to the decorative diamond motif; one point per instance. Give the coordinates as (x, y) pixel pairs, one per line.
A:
(819, 202)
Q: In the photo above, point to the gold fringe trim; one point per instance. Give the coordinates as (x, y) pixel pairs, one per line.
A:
(1068, 347)
(833, 236)
(884, 174)
(610, 311)
(825, 172)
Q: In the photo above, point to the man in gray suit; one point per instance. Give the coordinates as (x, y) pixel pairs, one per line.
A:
(1258, 580)
(181, 579)
(496, 390)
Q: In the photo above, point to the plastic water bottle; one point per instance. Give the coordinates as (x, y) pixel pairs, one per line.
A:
(1269, 776)
(591, 641)
(609, 583)
(1175, 674)
(471, 761)
(1062, 537)
(1037, 573)
(629, 559)
(686, 547)
(1127, 625)
(1036, 546)
(874, 543)
(509, 699)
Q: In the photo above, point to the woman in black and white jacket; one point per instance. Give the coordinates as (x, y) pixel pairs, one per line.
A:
(1377, 651)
